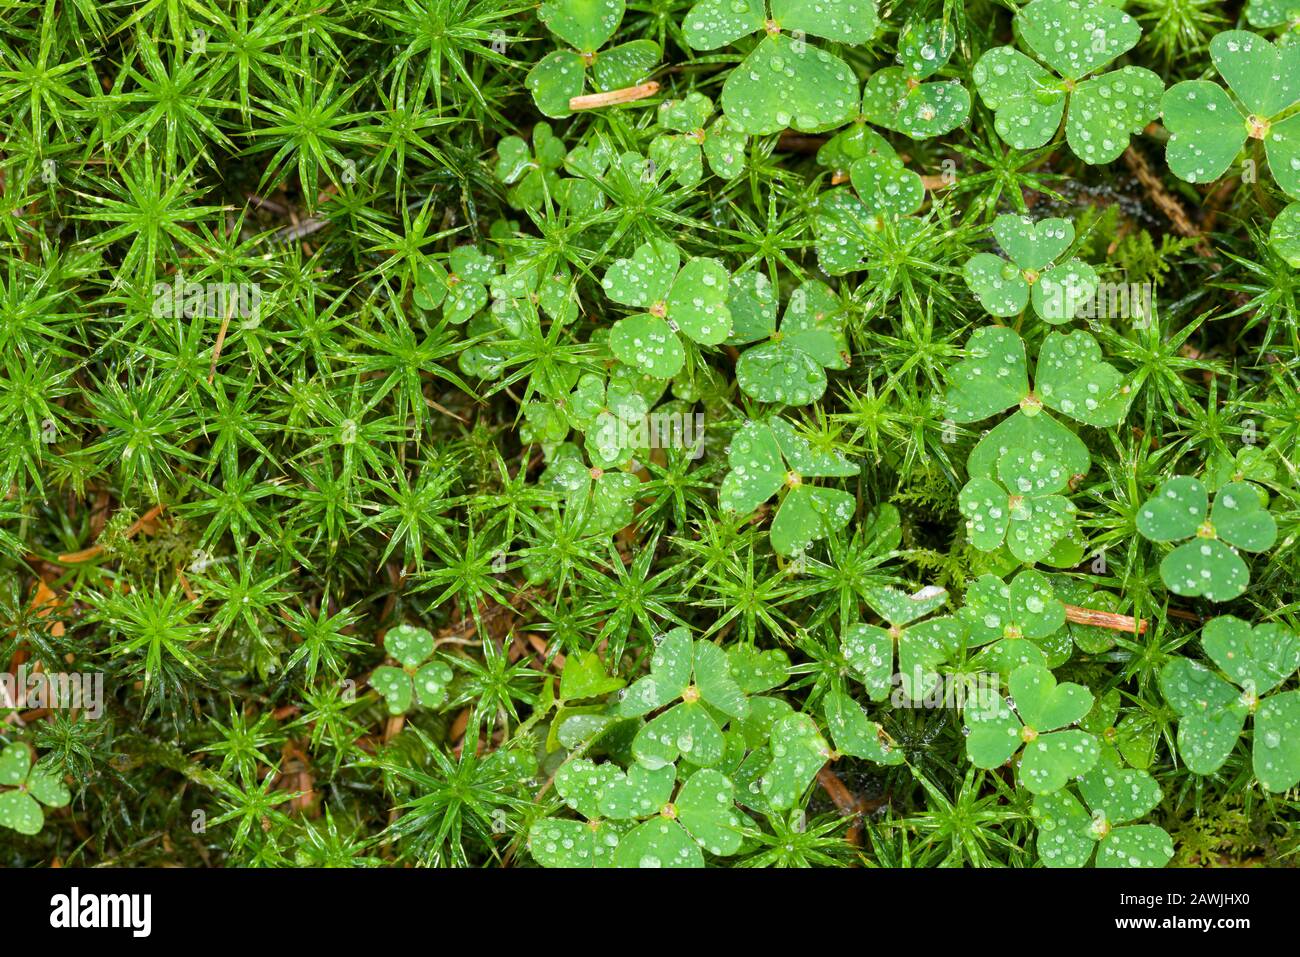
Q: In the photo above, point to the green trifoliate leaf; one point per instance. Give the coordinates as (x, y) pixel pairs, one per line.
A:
(789, 368)
(1122, 794)
(1022, 509)
(1056, 291)
(408, 644)
(557, 842)
(715, 23)
(798, 753)
(1107, 110)
(1257, 659)
(583, 785)
(757, 671)
(1027, 607)
(1051, 761)
(659, 842)
(639, 793)
(1138, 845)
(686, 730)
(1276, 757)
(1175, 510)
(645, 278)
(1023, 431)
(1240, 517)
(895, 97)
(1027, 101)
(584, 677)
(20, 812)
(785, 83)
(430, 683)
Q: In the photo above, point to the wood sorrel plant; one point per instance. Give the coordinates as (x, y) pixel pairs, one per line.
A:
(405, 569)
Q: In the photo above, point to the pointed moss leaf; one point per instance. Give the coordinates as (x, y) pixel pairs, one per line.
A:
(566, 843)
(624, 65)
(757, 671)
(1264, 75)
(798, 753)
(1064, 830)
(984, 505)
(1033, 245)
(787, 84)
(706, 807)
(583, 784)
(756, 469)
(646, 278)
(899, 608)
(1051, 761)
(1060, 292)
(780, 372)
(1206, 131)
(15, 764)
(686, 730)
(892, 99)
(1075, 38)
(715, 23)
(994, 733)
(21, 813)
(808, 514)
(884, 183)
(1175, 510)
(869, 651)
(999, 285)
(991, 378)
(1257, 659)
(1205, 567)
(1276, 758)
(649, 344)
(1027, 101)
(1106, 110)
(843, 21)
(584, 677)
(1072, 378)
(853, 733)
(658, 843)
(1284, 236)
(1045, 705)
(1138, 845)
(1123, 794)
(751, 301)
(670, 675)
(1040, 431)
(698, 301)
(639, 793)
(556, 79)
(1241, 519)
(394, 686)
(431, 682)
(585, 25)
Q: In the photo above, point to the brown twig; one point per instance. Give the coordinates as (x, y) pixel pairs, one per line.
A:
(629, 94)
(1105, 619)
(94, 551)
(1167, 203)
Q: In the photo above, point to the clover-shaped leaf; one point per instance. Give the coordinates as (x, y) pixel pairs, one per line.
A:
(798, 752)
(1212, 712)
(1266, 14)
(530, 172)
(788, 368)
(612, 417)
(20, 808)
(1022, 507)
(1051, 757)
(600, 498)
(1075, 39)
(696, 674)
(785, 81)
(691, 299)
(1024, 608)
(1068, 833)
(1056, 291)
(1284, 235)
(769, 455)
(684, 149)
(1208, 128)
(586, 26)
(418, 679)
(922, 647)
(854, 733)
(1209, 565)
(461, 290)
(898, 98)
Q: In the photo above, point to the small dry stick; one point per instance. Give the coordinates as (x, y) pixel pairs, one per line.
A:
(1105, 619)
(629, 94)
(221, 340)
(86, 554)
